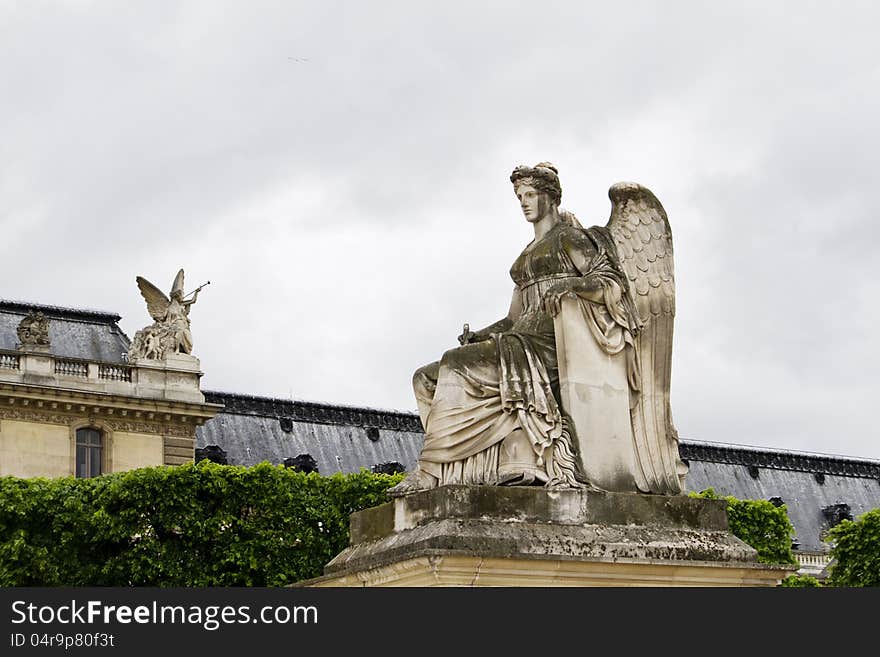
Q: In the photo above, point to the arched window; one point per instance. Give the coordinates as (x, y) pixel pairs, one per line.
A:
(89, 452)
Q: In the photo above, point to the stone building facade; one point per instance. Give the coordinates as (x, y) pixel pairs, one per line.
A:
(71, 404)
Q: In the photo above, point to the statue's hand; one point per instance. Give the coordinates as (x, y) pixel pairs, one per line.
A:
(467, 336)
(553, 297)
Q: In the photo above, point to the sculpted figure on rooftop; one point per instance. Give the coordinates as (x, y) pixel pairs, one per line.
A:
(170, 332)
(33, 330)
(571, 388)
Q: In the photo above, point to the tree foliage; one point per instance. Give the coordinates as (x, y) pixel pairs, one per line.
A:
(800, 581)
(190, 525)
(216, 525)
(760, 524)
(855, 551)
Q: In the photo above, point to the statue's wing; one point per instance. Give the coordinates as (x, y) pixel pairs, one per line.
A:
(157, 302)
(178, 282)
(640, 230)
(643, 239)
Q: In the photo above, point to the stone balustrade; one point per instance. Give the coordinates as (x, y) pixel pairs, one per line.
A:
(67, 367)
(114, 372)
(812, 563)
(174, 378)
(9, 361)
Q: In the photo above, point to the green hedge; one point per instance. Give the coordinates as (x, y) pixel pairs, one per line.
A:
(800, 581)
(216, 525)
(855, 551)
(760, 524)
(190, 525)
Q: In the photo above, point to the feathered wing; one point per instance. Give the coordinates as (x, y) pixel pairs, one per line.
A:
(178, 282)
(157, 302)
(640, 230)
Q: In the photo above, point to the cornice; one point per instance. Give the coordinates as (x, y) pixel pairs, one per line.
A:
(60, 312)
(53, 401)
(780, 460)
(318, 413)
(181, 426)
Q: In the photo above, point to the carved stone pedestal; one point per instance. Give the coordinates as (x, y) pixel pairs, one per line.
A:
(37, 364)
(176, 377)
(530, 536)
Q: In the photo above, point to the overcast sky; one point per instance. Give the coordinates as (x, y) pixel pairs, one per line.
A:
(339, 172)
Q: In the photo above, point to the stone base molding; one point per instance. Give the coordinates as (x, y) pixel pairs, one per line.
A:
(532, 536)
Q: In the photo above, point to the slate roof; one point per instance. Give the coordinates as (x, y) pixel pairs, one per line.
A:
(810, 485)
(346, 439)
(73, 332)
(340, 438)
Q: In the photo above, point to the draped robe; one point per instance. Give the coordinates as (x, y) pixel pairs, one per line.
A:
(479, 394)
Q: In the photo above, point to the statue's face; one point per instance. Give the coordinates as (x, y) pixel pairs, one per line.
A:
(535, 204)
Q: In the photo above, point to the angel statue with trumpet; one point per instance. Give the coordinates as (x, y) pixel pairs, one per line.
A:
(170, 332)
(571, 388)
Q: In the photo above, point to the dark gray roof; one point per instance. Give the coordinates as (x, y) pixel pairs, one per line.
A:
(340, 438)
(345, 439)
(74, 333)
(806, 483)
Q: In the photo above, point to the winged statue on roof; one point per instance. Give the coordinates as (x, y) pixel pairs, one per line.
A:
(571, 388)
(170, 331)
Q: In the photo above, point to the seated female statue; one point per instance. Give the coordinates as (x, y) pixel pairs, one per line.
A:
(491, 407)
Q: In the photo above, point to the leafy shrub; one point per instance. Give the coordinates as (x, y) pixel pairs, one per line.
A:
(760, 524)
(190, 525)
(855, 551)
(800, 581)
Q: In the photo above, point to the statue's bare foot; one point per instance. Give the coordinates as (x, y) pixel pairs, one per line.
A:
(416, 480)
